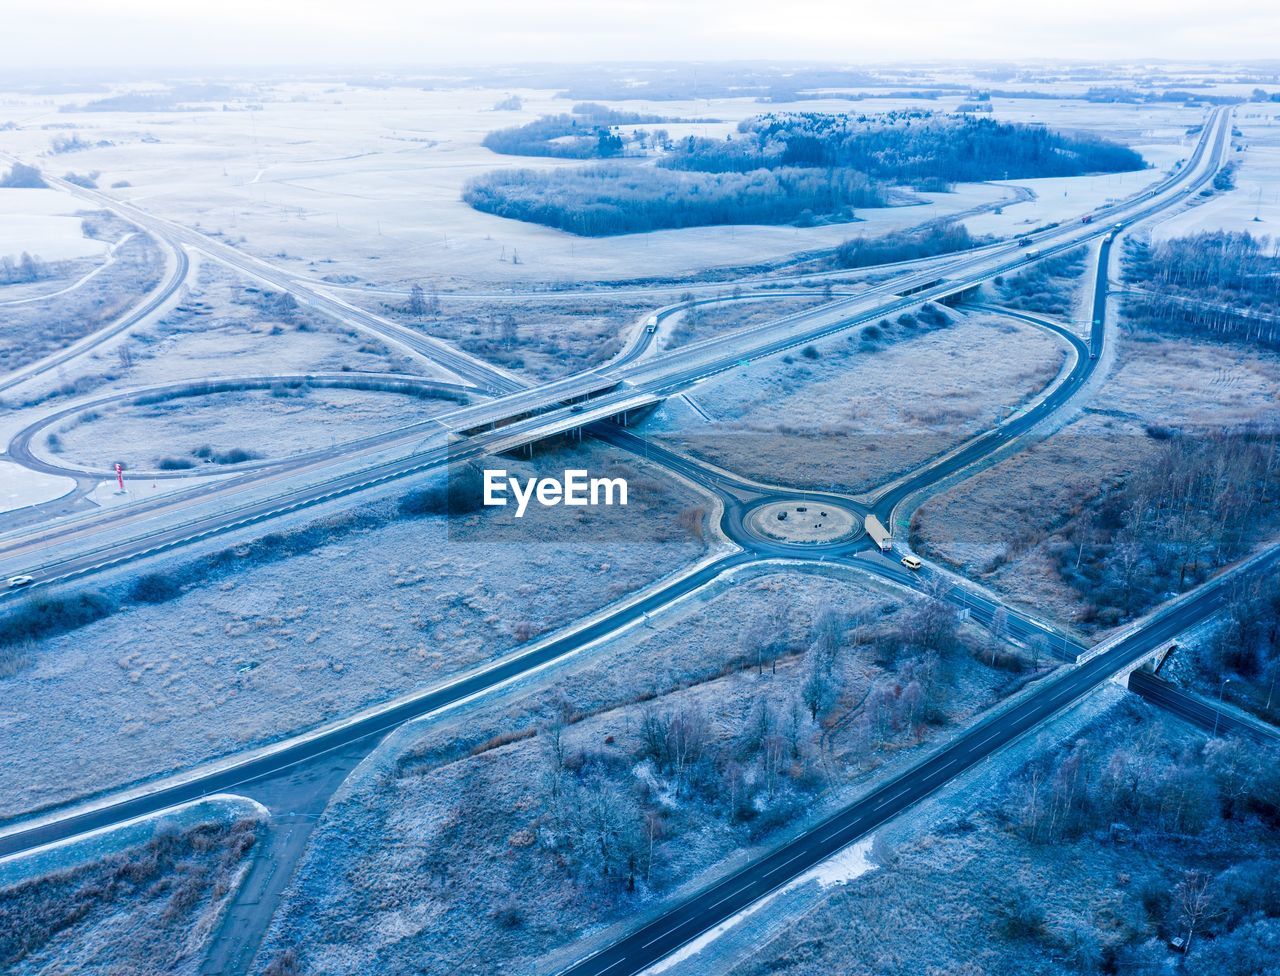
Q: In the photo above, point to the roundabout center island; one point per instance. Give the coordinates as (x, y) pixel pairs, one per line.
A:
(800, 522)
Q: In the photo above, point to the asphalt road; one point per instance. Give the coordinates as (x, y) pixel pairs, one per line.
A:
(19, 448)
(371, 728)
(1201, 712)
(656, 377)
(159, 540)
(720, 901)
(175, 280)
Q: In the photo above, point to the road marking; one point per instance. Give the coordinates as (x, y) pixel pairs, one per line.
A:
(616, 962)
(884, 803)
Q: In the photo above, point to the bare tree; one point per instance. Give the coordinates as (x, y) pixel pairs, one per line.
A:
(551, 737)
(510, 330)
(417, 300)
(1193, 898)
(999, 631)
(819, 691)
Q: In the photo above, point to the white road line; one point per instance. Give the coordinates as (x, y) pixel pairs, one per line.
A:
(886, 802)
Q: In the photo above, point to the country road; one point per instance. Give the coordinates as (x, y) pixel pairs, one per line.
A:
(505, 413)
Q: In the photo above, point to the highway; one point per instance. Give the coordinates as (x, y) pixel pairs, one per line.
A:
(722, 900)
(545, 409)
(516, 416)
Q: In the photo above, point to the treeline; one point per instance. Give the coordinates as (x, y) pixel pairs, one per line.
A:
(707, 80)
(21, 270)
(557, 136)
(769, 141)
(861, 252)
(779, 168)
(1195, 507)
(598, 114)
(604, 200)
(909, 147)
(1204, 815)
(1143, 788)
(1198, 813)
(1111, 94)
(587, 133)
(1246, 648)
(1220, 285)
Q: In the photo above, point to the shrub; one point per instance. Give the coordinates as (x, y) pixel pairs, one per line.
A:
(460, 494)
(43, 617)
(22, 176)
(861, 252)
(154, 588)
(236, 455)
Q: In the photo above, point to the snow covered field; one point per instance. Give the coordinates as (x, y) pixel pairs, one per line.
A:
(43, 224)
(346, 182)
(1254, 204)
(20, 487)
(454, 799)
(258, 423)
(1219, 387)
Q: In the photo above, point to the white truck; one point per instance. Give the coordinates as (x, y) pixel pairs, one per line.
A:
(879, 534)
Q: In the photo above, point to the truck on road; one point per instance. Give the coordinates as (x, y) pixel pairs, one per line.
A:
(879, 534)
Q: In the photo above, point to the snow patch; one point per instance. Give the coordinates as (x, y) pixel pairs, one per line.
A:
(41, 222)
(21, 487)
(848, 865)
(842, 867)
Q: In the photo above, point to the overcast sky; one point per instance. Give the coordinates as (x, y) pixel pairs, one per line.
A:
(54, 34)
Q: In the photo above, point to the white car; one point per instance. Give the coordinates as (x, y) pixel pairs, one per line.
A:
(912, 563)
(13, 582)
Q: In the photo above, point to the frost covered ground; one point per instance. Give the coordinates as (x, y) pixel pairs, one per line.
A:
(218, 329)
(30, 330)
(1160, 133)
(975, 894)
(255, 647)
(436, 851)
(146, 905)
(705, 321)
(226, 428)
(543, 339)
(1038, 489)
(858, 413)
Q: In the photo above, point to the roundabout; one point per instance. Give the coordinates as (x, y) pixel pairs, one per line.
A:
(795, 525)
(803, 523)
